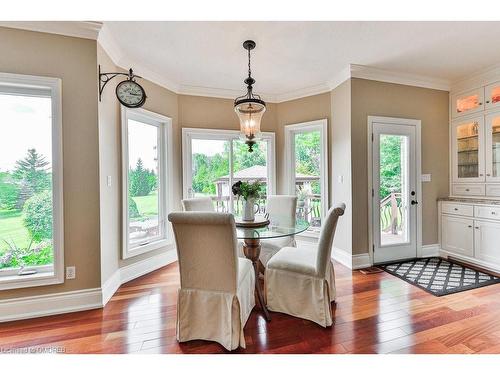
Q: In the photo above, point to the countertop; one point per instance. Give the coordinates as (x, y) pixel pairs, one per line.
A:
(471, 200)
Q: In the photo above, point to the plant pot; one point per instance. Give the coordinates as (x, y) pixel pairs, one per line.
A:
(249, 209)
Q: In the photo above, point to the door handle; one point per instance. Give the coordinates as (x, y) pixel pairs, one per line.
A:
(413, 202)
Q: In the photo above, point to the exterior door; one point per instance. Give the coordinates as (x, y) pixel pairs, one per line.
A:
(394, 194)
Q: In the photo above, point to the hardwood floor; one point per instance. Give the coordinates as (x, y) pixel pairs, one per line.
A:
(375, 313)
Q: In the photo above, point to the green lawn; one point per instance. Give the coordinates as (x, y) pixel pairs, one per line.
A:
(12, 229)
(148, 205)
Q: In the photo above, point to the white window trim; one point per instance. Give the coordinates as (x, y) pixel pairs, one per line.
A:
(166, 185)
(305, 127)
(189, 134)
(36, 85)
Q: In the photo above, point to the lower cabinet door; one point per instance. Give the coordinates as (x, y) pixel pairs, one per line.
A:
(487, 241)
(457, 235)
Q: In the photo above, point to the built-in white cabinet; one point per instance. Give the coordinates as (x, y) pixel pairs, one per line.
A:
(471, 231)
(467, 102)
(457, 235)
(492, 95)
(486, 241)
(468, 150)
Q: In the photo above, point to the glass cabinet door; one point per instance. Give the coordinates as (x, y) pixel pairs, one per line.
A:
(467, 102)
(492, 95)
(468, 155)
(493, 147)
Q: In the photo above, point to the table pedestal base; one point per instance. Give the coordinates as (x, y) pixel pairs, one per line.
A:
(251, 249)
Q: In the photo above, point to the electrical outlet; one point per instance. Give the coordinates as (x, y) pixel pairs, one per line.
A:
(70, 272)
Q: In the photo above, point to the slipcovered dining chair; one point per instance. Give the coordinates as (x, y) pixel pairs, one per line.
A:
(198, 204)
(301, 281)
(281, 210)
(217, 288)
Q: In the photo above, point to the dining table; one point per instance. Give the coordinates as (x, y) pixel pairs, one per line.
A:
(252, 245)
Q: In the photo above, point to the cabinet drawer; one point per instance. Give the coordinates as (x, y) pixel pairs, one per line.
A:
(469, 189)
(487, 212)
(493, 190)
(457, 209)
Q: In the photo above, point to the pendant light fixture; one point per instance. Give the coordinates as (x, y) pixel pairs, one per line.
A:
(250, 107)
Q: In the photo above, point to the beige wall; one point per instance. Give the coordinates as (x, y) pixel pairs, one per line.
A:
(74, 61)
(340, 162)
(311, 108)
(393, 100)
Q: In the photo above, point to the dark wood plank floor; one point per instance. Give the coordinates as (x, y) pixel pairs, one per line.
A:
(375, 313)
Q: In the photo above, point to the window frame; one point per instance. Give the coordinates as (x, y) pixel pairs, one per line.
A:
(306, 127)
(188, 134)
(29, 85)
(164, 125)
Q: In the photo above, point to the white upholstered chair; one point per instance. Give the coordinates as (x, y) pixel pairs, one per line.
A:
(301, 281)
(281, 210)
(198, 204)
(217, 288)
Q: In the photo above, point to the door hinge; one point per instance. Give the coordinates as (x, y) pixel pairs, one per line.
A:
(373, 193)
(372, 137)
(373, 248)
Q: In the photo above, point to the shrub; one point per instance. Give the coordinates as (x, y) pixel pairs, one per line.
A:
(133, 211)
(37, 216)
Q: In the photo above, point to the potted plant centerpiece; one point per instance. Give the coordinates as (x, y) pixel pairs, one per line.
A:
(249, 191)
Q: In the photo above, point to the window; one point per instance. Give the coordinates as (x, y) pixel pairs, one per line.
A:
(145, 144)
(31, 215)
(215, 159)
(307, 170)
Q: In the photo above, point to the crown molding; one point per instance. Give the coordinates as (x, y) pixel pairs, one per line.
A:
(79, 29)
(376, 74)
(479, 78)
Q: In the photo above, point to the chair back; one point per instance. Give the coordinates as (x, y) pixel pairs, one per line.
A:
(326, 238)
(206, 250)
(198, 204)
(282, 208)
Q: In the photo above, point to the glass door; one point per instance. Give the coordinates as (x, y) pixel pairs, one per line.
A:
(493, 147)
(467, 150)
(468, 102)
(492, 95)
(394, 204)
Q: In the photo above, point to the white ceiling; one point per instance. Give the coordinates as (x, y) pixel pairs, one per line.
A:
(293, 59)
(299, 56)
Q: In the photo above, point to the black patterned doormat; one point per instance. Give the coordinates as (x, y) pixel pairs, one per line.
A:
(439, 276)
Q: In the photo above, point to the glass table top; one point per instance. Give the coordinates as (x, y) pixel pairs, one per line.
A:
(272, 230)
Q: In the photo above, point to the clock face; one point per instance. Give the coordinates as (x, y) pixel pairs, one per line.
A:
(130, 94)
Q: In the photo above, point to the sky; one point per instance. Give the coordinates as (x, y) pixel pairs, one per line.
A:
(25, 123)
(142, 143)
(209, 147)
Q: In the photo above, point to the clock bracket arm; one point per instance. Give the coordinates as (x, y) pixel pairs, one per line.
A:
(105, 77)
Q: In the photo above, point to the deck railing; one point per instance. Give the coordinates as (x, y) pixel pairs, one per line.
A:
(391, 213)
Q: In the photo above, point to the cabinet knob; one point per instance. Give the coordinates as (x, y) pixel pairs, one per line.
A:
(488, 101)
(477, 227)
(488, 174)
(467, 189)
(456, 209)
(480, 174)
(470, 226)
(493, 213)
(480, 103)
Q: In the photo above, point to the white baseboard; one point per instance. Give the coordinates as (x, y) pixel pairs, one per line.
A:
(473, 261)
(354, 262)
(342, 256)
(135, 270)
(79, 300)
(360, 261)
(50, 304)
(429, 251)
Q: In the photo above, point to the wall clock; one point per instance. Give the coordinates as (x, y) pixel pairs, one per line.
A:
(129, 92)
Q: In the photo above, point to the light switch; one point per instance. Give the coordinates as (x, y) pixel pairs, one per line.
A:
(109, 181)
(341, 179)
(425, 177)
